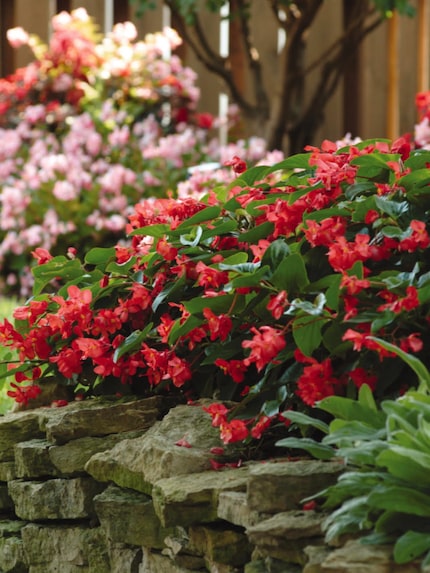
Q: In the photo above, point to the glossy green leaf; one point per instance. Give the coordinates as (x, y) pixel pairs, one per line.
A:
(157, 230)
(403, 499)
(132, 343)
(100, 256)
(410, 546)
(305, 420)
(314, 448)
(307, 333)
(415, 363)
(291, 274)
(206, 214)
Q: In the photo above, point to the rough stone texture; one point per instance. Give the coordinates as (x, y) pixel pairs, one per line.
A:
(280, 486)
(71, 458)
(32, 459)
(6, 504)
(55, 498)
(128, 517)
(14, 428)
(233, 507)
(195, 499)
(269, 565)
(11, 547)
(139, 463)
(156, 563)
(102, 417)
(315, 556)
(7, 471)
(194, 520)
(124, 559)
(355, 557)
(285, 535)
(220, 544)
(65, 549)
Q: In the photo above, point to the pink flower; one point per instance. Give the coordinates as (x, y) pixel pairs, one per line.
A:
(17, 37)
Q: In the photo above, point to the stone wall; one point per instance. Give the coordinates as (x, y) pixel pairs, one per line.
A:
(127, 487)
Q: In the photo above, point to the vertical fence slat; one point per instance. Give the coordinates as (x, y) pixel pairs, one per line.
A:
(393, 99)
(423, 47)
(7, 20)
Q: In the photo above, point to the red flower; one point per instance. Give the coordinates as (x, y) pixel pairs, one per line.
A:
(234, 431)
(265, 346)
(68, 361)
(209, 277)
(260, 427)
(178, 370)
(41, 255)
(418, 239)
(412, 343)
(276, 304)
(218, 412)
(167, 251)
(219, 326)
(236, 369)
(316, 382)
(239, 166)
(22, 394)
(361, 376)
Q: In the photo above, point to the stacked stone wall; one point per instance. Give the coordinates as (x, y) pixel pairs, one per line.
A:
(106, 486)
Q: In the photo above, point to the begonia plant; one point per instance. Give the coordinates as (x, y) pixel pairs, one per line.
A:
(99, 123)
(264, 295)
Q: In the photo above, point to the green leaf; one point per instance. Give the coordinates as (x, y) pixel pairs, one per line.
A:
(357, 189)
(404, 467)
(305, 420)
(307, 333)
(254, 234)
(411, 545)
(217, 304)
(220, 228)
(392, 208)
(348, 409)
(253, 174)
(58, 267)
(206, 214)
(298, 161)
(159, 230)
(366, 399)
(415, 363)
(132, 343)
(276, 253)
(398, 498)
(415, 180)
(100, 256)
(291, 274)
(314, 448)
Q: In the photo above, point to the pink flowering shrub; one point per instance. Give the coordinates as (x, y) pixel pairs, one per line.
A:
(87, 130)
(422, 129)
(266, 293)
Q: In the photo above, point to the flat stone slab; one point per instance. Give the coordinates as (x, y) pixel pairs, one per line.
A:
(129, 517)
(233, 507)
(274, 487)
(356, 557)
(17, 427)
(101, 417)
(285, 535)
(139, 463)
(195, 499)
(54, 498)
(65, 549)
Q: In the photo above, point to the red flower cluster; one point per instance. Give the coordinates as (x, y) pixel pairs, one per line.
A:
(270, 295)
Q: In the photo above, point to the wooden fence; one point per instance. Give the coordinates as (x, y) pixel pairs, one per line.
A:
(376, 98)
